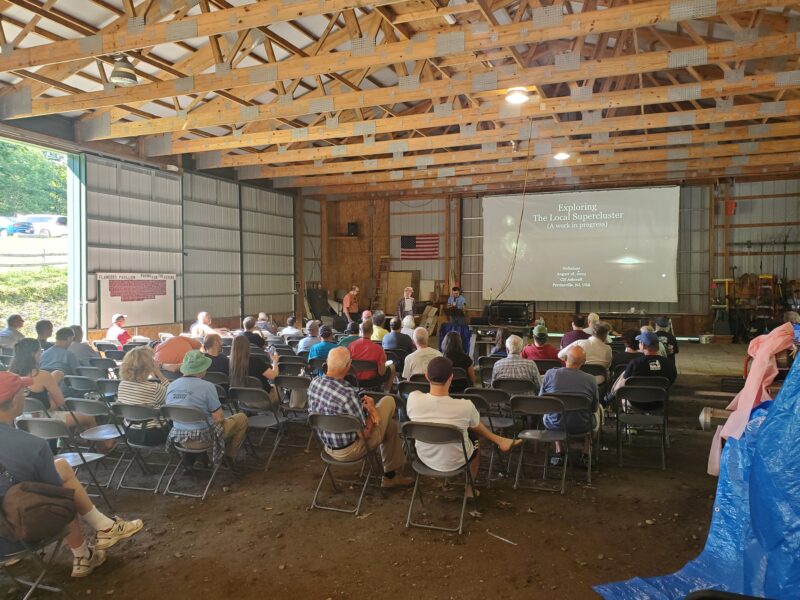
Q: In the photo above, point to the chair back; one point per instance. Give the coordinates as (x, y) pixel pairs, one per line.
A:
(248, 398)
(292, 382)
(318, 365)
(216, 377)
(291, 368)
(478, 401)
(293, 344)
(106, 347)
(644, 381)
(103, 363)
(48, 429)
(406, 387)
(293, 338)
(253, 382)
(486, 372)
(418, 378)
(619, 370)
(459, 373)
(171, 375)
(545, 364)
(337, 337)
(135, 413)
(432, 433)
(363, 366)
(515, 386)
(34, 405)
(131, 345)
(184, 414)
(334, 423)
(82, 385)
(494, 398)
(303, 354)
(535, 406)
(92, 372)
(108, 388)
(397, 355)
(115, 354)
(283, 351)
(573, 402)
(91, 408)
(488, 361)
(222, 393)
(643, 399)
(599, 372)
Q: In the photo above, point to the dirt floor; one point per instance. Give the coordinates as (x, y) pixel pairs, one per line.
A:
(254, 537)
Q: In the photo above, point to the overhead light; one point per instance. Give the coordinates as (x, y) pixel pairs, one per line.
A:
(123, 73)
(517, 95)
(561, 156)
(450, 19)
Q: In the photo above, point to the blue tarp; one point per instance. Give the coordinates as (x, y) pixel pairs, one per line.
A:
(753, 545)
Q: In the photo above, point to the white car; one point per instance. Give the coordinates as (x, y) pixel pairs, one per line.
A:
(48, 225)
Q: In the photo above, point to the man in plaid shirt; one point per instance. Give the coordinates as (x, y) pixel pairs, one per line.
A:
(331, 395)
(514, 366)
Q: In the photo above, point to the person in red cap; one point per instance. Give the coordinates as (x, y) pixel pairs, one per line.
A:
(26, 457)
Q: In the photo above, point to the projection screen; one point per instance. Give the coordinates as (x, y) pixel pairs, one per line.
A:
(604, 245)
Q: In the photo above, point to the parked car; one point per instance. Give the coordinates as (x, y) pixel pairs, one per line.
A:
(10, 226)
(48, 225)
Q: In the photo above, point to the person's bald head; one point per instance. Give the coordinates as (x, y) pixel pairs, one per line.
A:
(338, 362)
(576, 357)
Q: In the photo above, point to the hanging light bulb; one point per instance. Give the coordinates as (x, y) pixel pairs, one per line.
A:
(123, 73)
(517, 95)
(561, 156)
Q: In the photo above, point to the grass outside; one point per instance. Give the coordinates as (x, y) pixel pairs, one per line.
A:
(35, 293)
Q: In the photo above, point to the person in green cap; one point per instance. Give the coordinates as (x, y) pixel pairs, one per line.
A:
(193, 391)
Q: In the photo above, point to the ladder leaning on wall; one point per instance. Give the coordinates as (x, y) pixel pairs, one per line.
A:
(382, 284)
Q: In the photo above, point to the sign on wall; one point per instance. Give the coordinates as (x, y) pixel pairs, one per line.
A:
(147, 298)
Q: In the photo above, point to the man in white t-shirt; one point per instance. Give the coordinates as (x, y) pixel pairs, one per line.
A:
(416, 363)
(438, 407)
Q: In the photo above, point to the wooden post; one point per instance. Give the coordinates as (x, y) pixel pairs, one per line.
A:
(447, 240)
(299, 254)
(726, 232)
(459, 236)
(712, 238)
(323, 244)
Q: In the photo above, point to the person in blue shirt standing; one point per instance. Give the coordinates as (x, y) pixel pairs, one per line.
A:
(456, 304)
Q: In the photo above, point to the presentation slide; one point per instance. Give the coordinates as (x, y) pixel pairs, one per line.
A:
(605, 245)
(147, 298)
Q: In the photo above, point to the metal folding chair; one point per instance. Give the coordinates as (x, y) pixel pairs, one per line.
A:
(105, 346)
(577, 403)
(131, 345)
(536, 407)
(343, 424)
(516, 386)
(130, 414)
(485, 374)
(92, 372)
(107, 364)
(435, 433)
(171, 375)
(261, 413)
(293, 360)
(284, 351)
(418, 378)
(34, 406)
(108, 432)
(43, 557)
(108, 389)
(56, 429)
(292, 369)
(488, 361)
(317, 367)
(545, 364)
(642, 408)
(115, 355)
(367, 366)
(495, 424)
(217, 378)
(404, 390)
(81, 385)
(184, 414)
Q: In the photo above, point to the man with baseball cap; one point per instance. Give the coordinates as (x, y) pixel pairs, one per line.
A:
(539, 349)
(322, 348)
(438, 407)
(651, 364)
(117, 330)
(28, 458)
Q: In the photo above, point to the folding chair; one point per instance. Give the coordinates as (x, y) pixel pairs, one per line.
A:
(261, 414)
(294, 360)
(92, 372)
(293, 393)
(493, 423)
(317, 367)
(434, 433)
(303, 354)
(107, 364)
(217, 378)
(115, 355)
(34, 406)
(404, 390)
(488, 361)
(537, 407)
(108, 389)
(282, 351)
(43, 557)
(367, 366)
(184, 414)
(105, 346)
(81, 385)
(292, 369)
(171, 375)
(130, 414)
(293, 345)
(56, 429)
(516, 386)
(418, 378)
(661, 382)
(544, 365)
(343, 424)
(499, 400)
(486, 372)
(642, 408)
(131, 345)
(108, 432)
(600, 374)
(576, 403)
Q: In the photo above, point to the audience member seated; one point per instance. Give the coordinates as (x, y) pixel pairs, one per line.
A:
(44, 329)
(311, 339)
(212, 348)
(500, 338)
(416, 363)
(137, 388)
(249, 326)
(591, 320)
(539, 349)
(396, 339)
(265, 323)
(290, 328)
(651, 364)
(666, 338)
(193, 391)
(331, 395)
(351, 334)
(457, 324)
(243, 364)
(204, 325)
(170, 353)
(598, 352)
(58, 357)
(83, 351)
(350, 305)
(662, 349)
(27, 457)
(631, 349)
(453, 351)
(439, 407)
(577, 333)
(117, 331)
(571, 380)
(409, 325)
(13, 332)
(365, 349)
(322, 348)
(514, 366)
(378, 330)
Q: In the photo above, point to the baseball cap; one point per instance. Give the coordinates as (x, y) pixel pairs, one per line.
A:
(117, 317)
(10, 384)
(195, 362)
(325, 331)
(662, 322)
(539, 331)
(648, 339)
(440, 369)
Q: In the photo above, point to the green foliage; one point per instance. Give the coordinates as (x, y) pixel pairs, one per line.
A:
(35, 294)
(31, 181)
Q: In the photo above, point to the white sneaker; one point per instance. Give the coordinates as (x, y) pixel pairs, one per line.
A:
(83, 566)
(122, 529)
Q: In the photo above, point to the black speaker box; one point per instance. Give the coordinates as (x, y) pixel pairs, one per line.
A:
(352, 229)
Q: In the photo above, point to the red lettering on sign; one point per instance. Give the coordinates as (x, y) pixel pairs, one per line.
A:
(137, 290)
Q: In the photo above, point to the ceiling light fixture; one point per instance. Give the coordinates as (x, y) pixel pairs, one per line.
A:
(517, 95)
(561, 156)
(123, 73)
(450, 19)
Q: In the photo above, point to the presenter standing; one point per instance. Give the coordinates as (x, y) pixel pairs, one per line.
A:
(405, 306)
(350, 305)
(456, 304)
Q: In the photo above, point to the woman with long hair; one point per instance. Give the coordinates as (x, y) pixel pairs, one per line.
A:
(500, 342)
(453, 349)
(137, 388)
(243, 364)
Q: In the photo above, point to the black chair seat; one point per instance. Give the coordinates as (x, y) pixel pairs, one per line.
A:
(498, 422)
(423, 469)
(262, 421)
(542, 435)
(74, 459)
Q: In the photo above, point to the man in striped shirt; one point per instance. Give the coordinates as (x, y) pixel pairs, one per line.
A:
(514, 366)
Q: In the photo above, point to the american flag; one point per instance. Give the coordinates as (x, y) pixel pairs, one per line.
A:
(419, 247)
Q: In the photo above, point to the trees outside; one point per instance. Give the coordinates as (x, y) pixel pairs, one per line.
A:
(31, 180)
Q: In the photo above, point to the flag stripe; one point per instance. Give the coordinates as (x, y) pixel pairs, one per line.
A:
(419, 247)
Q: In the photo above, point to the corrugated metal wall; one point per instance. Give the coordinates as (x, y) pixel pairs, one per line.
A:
(312, 247)
(211, 243)
(133, 225)
(693, 277)
(267, 251)
(416, 217)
